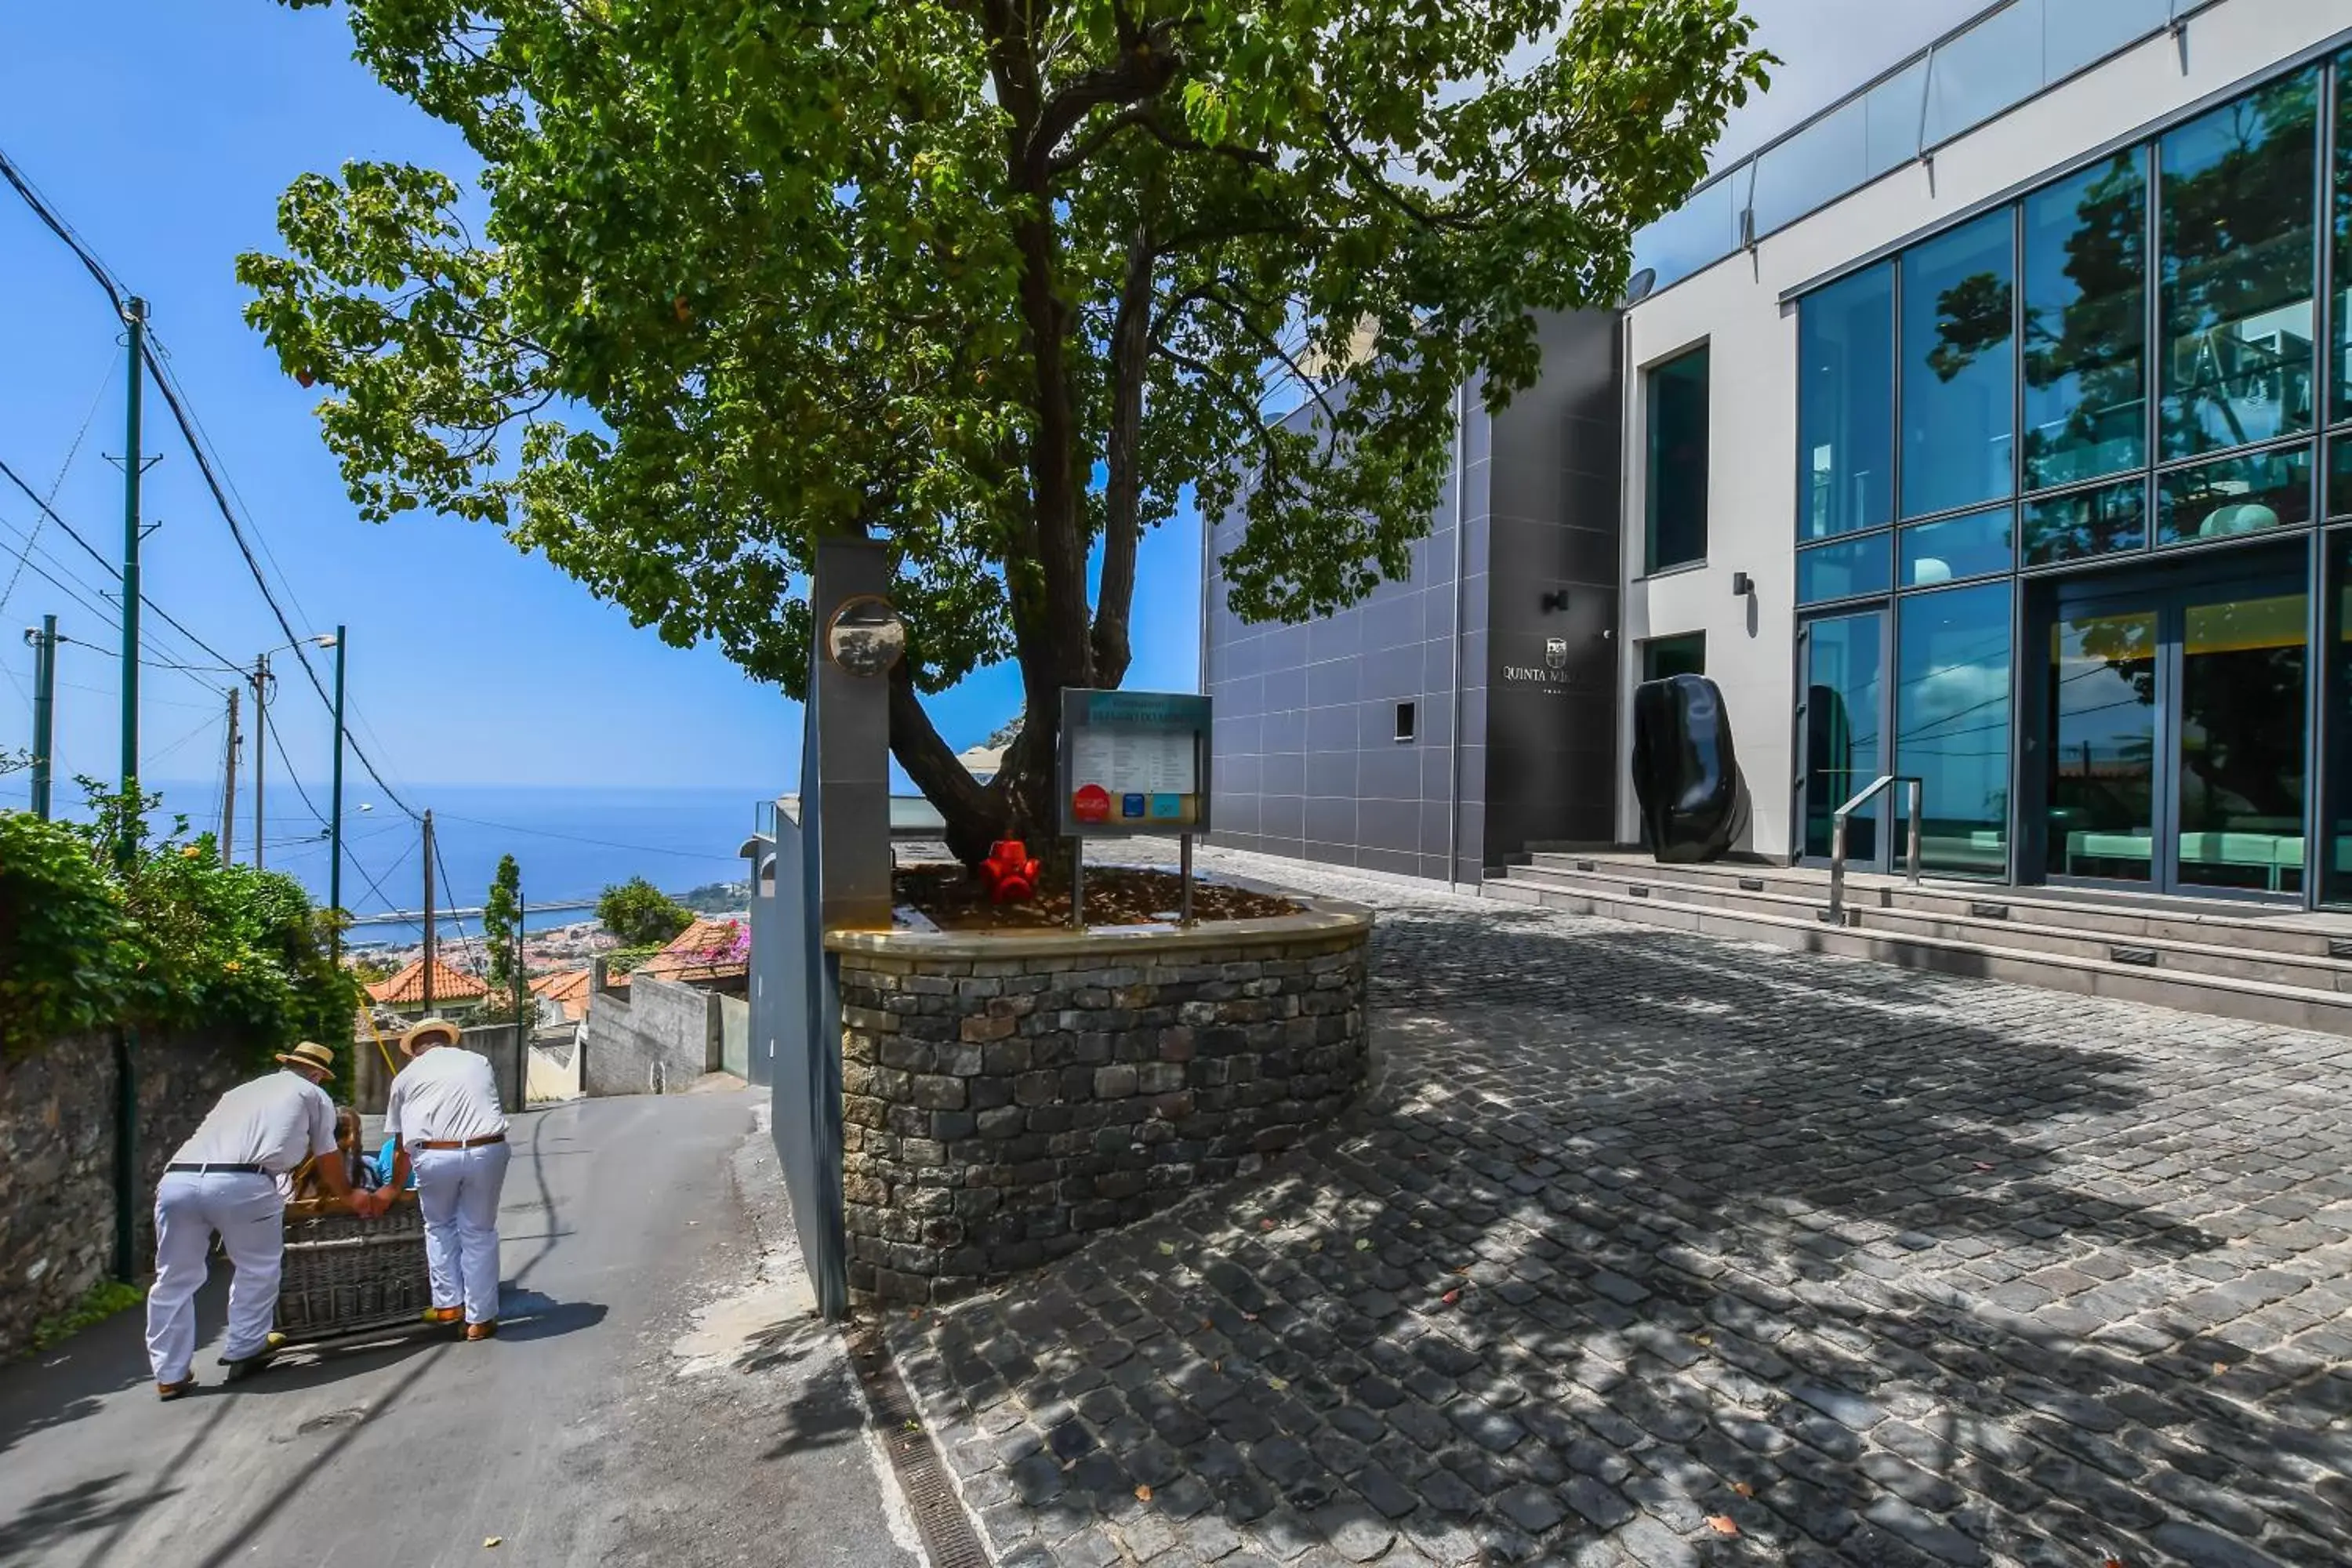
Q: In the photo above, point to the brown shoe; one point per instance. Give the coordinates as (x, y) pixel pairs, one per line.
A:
(443, 1314)
(174, 1390)
(489, 1330)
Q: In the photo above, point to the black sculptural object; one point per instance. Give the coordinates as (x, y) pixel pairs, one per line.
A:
(1684, 772)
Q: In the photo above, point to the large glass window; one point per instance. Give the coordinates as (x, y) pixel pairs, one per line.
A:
(1951, 723)
(1840, 662)
(2100, 760)
(1960, 366)
(2086, 325)
(2234, 496)
(1847, 571)
(2340, 476)
(2086, 523)
(2237, 254)
(1845, 401)
(1972, 546)
(2241, 746)
(1677, 484)
(2340, 404)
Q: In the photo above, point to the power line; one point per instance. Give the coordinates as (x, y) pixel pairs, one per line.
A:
(65, 231)
(63, 468)
(575, 839)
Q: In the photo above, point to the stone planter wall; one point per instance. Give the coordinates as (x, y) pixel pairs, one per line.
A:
(1007, 1096)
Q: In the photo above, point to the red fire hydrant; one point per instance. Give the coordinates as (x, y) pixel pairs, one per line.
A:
(1008, 873)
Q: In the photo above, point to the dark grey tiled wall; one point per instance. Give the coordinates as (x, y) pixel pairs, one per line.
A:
(1306, 761)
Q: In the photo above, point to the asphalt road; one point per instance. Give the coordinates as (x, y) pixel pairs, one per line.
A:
(657, 1395)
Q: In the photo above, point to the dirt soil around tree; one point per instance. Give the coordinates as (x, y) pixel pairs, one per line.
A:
(952, 900)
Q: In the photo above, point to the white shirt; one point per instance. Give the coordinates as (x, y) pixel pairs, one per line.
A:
(275, 1123)
(447, 1095)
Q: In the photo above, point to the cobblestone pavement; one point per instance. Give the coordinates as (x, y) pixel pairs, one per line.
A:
(1659, 1251)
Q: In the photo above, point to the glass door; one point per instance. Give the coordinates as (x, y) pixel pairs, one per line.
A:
(1842, 661)
(2102, 790)
(2177, 752)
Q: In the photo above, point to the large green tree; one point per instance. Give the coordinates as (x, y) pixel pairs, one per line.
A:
(1000, 282)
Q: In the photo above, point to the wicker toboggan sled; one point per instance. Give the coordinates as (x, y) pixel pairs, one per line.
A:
(345, 1275)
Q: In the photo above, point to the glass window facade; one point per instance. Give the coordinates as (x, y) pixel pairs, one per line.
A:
(2058, 468)
(2086, 325)
(1960, 366)
(1976, 545)
(1951, 724)
(1846, 406)
(1676, 489)
(2237, 230)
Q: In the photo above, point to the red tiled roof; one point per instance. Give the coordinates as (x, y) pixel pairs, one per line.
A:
(707, 949)
(568, 988)
(407, 987)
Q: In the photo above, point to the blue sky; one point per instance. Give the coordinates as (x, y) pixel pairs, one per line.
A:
(166, 133)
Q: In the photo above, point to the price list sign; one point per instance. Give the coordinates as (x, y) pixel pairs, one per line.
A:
(1134, 761)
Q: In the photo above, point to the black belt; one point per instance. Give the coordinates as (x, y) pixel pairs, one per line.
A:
(221, 1170)
(444, 1144)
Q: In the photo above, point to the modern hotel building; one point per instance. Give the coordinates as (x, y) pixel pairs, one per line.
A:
(1993, 428)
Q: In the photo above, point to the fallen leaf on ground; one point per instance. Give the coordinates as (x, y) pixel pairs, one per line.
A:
(1205, 1323)
(1249, 1317)
(1277, 1384)
(1265, 1225)
(1363, 1243)
(1743, 1489)
(915, 1316)
(1703, 1339)
(1451, 1297)
(1167, 1249)
(1464, 1270)
(2221, 1367)
(1143, 1494)
(1723, 1524)
(1981, 1164)
(491, 1541)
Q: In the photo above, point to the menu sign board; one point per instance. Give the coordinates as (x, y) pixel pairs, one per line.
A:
(1134, 761)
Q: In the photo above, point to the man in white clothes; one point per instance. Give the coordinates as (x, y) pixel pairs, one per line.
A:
(445, 1120)
(226, 1180)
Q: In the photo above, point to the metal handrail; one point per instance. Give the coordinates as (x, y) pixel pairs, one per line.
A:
(1912, 807)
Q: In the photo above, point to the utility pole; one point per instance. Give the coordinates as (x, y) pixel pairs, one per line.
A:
(261, 679)
(228, 784)
(45, 705)
(126, 1043)
(335, 813)
(429, 913)
(134, 320)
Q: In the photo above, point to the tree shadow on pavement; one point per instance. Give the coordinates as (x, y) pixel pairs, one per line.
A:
(67, 1382)
(82, 1508)
(1677, 1251)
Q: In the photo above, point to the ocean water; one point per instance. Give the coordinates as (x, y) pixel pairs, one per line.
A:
(570, 844)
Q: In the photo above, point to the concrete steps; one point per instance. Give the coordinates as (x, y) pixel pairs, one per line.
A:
(2275, 967)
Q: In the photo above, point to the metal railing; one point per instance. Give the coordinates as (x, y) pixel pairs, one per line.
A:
(1912, 807)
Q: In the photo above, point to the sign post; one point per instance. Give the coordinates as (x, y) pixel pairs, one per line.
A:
(1132, 762)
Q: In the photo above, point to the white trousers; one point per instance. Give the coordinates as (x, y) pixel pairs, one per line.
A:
(458, 1191)
(250, 1214)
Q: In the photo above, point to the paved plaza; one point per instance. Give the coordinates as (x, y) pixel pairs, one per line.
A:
(1653, 1249)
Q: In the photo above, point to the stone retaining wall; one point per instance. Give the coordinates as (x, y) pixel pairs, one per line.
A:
(1005, 1097)
(57, 1162)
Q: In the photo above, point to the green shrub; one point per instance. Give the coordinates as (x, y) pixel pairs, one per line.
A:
(638, 912)
(169, 939)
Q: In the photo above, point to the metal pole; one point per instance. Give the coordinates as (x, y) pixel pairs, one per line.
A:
(126, 1044)
(429, 913)
(44, 704)
(1077, 884)
(134, 318)
(1185, 910)
(228, 784)
(1837, 869)
(335, 814)
(1916, 793)
(260, 745)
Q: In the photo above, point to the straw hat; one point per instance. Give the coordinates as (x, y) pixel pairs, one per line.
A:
(437, 1031)
(309, 1054)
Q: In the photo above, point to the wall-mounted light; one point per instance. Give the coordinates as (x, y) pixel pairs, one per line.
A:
(1742, 584)
(1556, 600)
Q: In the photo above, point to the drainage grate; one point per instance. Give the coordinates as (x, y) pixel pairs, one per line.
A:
(1989, 912)
(2339, 947)
(948, 1538)
(1584, 866)
(1638, 891)
(1751, 884)
(2143, 956)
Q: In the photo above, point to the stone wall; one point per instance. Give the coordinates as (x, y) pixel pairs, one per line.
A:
(657, 1037)
(999, 1110)
(57, 1163)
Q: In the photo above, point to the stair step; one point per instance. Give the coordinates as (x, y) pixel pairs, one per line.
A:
(2227, 995)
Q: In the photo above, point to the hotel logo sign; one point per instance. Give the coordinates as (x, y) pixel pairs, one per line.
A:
(1551, 675)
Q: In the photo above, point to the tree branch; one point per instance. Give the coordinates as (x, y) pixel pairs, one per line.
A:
(1131, 347)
